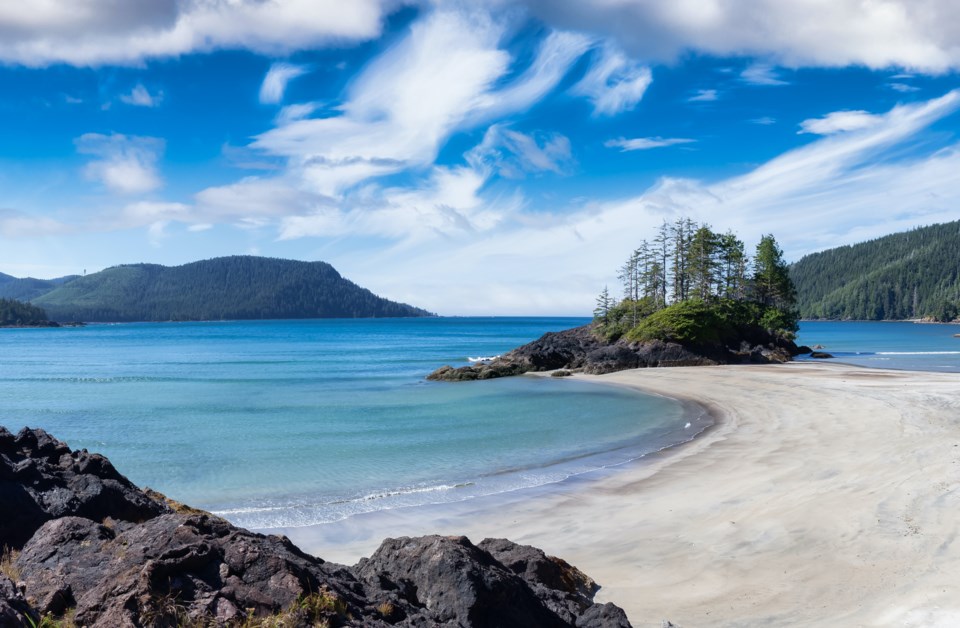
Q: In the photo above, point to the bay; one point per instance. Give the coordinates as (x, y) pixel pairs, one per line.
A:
(290, 423)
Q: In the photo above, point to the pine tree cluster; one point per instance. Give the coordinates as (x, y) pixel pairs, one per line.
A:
(686, 262)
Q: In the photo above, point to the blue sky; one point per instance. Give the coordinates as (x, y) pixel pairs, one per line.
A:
(470, 158)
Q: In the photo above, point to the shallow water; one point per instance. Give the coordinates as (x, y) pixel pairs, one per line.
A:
(888, 345)
(289, 423)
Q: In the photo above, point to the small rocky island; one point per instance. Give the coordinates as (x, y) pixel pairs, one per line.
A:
(583, 350)
(689, 300)
(83, 546)
(15, 313)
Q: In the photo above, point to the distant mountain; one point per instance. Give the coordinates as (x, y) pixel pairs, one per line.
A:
(240, 287)
(915, 274)
(29, 288)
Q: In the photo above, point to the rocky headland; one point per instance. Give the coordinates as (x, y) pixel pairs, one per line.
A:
(84, 546)
(582, 349)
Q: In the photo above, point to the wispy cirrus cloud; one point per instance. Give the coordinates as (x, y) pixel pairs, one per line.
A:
(837, 189)
(762, 74)
(385, 125)
(294, 112)
(513, 155)
(704, 95)
(276, 80)
(903, 88)
(123, 164)
(140, 96)
(614, 83)
(646, 143)
(17, 224)
(840, 121)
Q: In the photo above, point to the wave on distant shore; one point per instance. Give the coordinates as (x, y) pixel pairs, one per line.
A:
(483, 359)
(917, 353)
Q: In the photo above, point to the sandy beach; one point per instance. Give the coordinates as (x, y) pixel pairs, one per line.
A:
(825, 495)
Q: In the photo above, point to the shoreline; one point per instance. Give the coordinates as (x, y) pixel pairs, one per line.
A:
(823, 492)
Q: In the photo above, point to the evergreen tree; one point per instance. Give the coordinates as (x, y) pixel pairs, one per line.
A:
(733, 267)
(681, 233)
(604, 304)
(660, 254)
(16, 313)
(709, 277)
(702, 263)
(771, 278)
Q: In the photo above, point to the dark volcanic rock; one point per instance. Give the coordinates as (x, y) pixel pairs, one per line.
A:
(116, 556)
(42, 479)
(579, 348)
(554, 350)
(820, 355)
(171, 568)
(566, 590)
(449, 581)
(14, 609)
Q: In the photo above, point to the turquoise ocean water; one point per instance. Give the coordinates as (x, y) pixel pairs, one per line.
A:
(289, 423)
(889, 345)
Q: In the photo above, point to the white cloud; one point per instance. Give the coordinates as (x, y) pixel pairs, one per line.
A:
(512, 154)
(704, 95)
(254, 198)
(645, 143)
(388, 124)
(555, 55)
(903, 88)
(157, 233)
(15, 225)
(444, 76)
(98, 32)
(836, 190)
(764, 120)
(614, 83)
(448, 204)
(276, 80)
(151, 212)
(840, 121)
(761, 74)
(919, 35)
(140, 96)
(124, 164)
(299, 111)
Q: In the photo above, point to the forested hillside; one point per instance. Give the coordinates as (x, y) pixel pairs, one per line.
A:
(28, 288)
(915, 274)
(239, 287)
(17, 314)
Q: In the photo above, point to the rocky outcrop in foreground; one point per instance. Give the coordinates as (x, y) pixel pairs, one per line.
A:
(83, 542)
(581, 350)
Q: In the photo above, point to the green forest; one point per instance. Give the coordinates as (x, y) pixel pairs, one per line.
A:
(910, 275)
(17, 314)
(692, 285)
(28, 288)
(226, 288)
